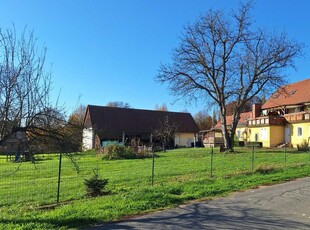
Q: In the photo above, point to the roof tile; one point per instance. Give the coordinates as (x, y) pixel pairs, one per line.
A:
(292, 94)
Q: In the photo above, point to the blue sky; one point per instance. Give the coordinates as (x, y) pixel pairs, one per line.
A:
(110, 50)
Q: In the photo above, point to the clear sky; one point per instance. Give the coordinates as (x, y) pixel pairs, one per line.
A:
(110, 50)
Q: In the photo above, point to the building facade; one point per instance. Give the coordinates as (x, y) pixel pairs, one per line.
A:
(103, 124)
(284, 118)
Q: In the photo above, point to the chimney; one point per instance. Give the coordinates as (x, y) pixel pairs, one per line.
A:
(256, 108)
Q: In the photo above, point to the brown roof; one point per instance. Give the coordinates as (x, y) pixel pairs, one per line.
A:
(292, 94)
(136, 120)
(242, 122)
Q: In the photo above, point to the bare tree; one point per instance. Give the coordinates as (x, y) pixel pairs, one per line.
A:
(162, 107)
(223, 58)
(118, 104)
(74, 129)
(25, 87)
(79, 114)
(203, 120)
(246, 108)
(165, 132)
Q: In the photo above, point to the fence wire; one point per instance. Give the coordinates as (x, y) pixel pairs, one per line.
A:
(37, 183)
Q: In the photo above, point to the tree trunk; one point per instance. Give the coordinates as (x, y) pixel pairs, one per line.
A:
(225, 133)
(227, 140)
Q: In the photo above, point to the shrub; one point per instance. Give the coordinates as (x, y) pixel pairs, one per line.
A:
(255, 143)
(95, 186)
(116, 151)
(266, 169)
(303, 146)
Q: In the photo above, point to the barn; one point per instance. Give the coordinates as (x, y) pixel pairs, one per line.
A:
(103, 124)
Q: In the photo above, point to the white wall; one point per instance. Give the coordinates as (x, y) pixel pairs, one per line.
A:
(184, 139)
(88, 139)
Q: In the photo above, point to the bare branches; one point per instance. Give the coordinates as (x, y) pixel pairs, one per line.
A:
(25, 87)
(224, 58)
(165, 131)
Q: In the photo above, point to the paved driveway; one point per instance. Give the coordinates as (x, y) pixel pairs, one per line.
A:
(282, 206)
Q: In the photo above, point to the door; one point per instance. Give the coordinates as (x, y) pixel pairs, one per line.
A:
(287, 135)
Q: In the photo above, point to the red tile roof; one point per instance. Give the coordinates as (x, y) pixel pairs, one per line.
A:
(292, 94)
(242, 122)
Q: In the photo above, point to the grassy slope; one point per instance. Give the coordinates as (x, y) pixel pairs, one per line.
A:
(180, 175)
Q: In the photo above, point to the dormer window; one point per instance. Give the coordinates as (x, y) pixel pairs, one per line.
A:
(275, 96)
(292, 92)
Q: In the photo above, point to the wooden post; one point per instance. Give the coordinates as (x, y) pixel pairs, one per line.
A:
(123, 137)
(151, 139)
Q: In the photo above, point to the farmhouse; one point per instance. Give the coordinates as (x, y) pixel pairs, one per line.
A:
(103, 123)
(283, 119)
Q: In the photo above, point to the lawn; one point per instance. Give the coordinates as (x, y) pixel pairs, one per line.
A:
(29, 191)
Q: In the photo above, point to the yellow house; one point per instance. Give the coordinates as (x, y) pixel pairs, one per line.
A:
(284, 118)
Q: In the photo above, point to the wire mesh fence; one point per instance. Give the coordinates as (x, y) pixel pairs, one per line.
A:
(48, 181)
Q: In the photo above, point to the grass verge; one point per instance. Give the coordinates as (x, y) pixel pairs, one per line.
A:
(180, 176)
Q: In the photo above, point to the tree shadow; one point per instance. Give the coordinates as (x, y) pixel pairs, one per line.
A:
(208, 216)
(195, 216)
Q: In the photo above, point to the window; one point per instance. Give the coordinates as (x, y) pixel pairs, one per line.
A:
(299, 131)
(292, 92)
(238, 133)
(263, 134)
(297, 110)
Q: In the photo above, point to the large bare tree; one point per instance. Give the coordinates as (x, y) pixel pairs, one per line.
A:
(25, 87)
(223, 58)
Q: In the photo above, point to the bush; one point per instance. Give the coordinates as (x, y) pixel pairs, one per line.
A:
(255, 143)
(95, 186)
(303, 146)
(143, 154)
(116, 151)
(266, 169)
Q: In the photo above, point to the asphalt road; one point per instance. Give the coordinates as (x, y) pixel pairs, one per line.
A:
(282, 206)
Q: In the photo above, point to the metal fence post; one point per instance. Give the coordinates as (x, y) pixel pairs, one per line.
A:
(285, 157)
(252, 160)
(59, 177)
(153, 165)
(211, 169)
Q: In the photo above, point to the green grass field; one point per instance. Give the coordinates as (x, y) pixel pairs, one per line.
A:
(29, 191)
